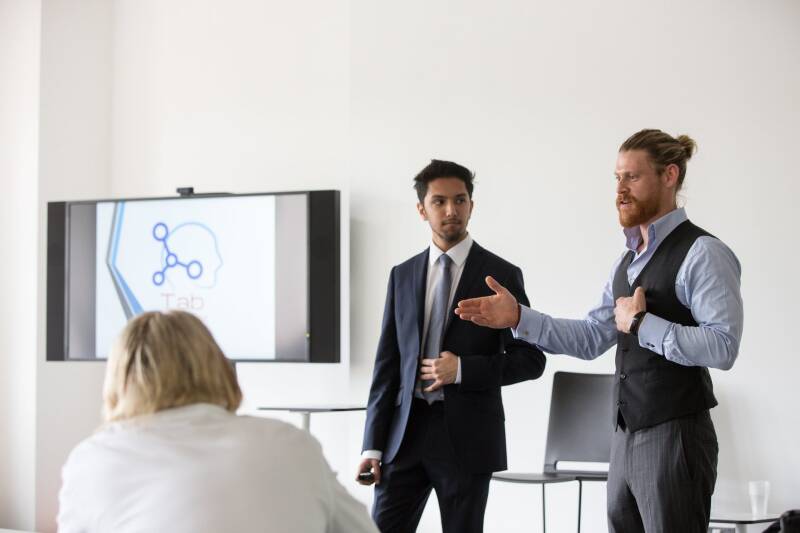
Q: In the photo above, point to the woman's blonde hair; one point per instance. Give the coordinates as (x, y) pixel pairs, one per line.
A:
(164, 360)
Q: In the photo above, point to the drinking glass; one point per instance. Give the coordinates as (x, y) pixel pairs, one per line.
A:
(759, 495)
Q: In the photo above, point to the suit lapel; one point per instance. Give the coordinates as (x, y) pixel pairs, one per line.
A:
(473, 268)
(420, 281)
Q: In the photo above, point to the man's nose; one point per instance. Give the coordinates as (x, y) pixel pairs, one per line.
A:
(450, 208)
(622, 185)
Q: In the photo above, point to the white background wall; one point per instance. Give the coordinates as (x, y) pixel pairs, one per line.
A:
(19, 113)
(74, 162)
(138, 97)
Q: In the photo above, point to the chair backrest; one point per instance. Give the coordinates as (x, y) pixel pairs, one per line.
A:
(580, 425)
(790, 521)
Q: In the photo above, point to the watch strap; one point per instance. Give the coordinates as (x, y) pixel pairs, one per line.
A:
(636, 322)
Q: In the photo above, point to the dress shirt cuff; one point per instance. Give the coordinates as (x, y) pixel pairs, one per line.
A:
(458, 372)
(372, 454)
(529, 328)
(652, 332)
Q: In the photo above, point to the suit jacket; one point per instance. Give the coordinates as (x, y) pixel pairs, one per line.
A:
(489, 358)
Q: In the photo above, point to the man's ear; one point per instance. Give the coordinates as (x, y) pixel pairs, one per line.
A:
(670, 175)
(421, 210)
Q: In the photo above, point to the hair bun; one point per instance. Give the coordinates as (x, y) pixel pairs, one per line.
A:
(688, 144)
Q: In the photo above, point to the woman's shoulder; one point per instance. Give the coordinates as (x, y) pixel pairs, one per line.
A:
(277, 431)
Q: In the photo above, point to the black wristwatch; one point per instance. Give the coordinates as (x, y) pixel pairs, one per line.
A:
(636, 322)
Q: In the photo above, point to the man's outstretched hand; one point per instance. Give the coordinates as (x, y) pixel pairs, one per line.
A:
(498, 311)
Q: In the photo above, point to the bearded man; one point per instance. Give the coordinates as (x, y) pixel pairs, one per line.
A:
(673, 307)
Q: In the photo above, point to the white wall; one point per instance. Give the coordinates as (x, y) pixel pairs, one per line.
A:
(74, 155)
(253, 100)
(534, 96)
(19, 112)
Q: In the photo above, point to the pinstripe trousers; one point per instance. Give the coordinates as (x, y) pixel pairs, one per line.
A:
(661, 478)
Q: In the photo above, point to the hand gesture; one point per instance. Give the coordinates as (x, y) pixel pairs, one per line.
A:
(498, 311)
(627, 308)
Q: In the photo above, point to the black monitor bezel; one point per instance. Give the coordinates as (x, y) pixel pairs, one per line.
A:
(324, 273)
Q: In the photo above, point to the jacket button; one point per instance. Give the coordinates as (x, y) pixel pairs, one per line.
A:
(625, 349)
(623, 376)
(620, 402)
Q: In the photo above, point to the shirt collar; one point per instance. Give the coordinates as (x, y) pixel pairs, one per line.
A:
(174, 415)
(655, 231)
(457, 253)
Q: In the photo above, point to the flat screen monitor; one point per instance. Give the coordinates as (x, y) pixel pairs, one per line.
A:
(260, 270)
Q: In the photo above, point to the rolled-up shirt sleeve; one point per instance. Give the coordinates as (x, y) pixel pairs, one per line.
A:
(708, 283)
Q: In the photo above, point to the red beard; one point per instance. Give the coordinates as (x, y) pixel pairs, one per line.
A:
(636, 212)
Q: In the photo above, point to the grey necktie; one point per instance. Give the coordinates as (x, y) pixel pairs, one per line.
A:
(437, 321)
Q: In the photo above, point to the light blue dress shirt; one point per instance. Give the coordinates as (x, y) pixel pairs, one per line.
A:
(707, 284)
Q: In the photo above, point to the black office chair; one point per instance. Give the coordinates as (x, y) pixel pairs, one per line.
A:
(579, 430)
(789, 522)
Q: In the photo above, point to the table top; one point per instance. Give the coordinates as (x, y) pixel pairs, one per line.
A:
(312, 408)
(741, 518)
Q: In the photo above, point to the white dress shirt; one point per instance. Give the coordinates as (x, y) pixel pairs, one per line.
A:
(458, 254)
(198, 469)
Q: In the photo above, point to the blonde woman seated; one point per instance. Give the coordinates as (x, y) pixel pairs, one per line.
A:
(174, 457)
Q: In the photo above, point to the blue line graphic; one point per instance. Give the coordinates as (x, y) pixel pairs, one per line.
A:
(194, 268)
(132, 301)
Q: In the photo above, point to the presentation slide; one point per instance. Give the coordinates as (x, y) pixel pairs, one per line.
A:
(191, 255)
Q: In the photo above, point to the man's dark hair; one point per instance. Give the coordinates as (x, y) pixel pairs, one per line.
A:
(441, 169)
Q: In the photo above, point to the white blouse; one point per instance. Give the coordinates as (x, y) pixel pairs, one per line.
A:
(200, 469)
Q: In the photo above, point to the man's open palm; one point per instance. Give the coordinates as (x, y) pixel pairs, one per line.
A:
(498, 311)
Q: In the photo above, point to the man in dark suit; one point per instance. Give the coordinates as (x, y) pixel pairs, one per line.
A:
(435, 415)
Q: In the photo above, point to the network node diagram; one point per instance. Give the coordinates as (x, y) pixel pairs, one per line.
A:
(194, 268)
(189, 252)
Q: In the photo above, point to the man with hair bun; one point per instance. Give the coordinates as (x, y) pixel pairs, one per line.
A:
(673, 307)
